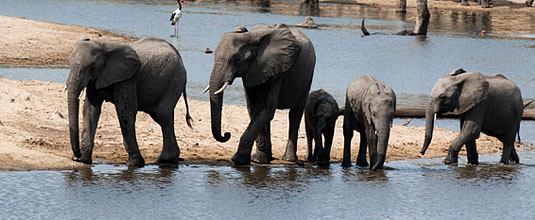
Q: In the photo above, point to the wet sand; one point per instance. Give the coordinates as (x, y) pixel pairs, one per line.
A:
(34, 126)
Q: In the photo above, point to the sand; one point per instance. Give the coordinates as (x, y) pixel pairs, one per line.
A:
(34, 126)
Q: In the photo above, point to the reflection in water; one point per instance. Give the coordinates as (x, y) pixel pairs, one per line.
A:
(406, 190)
(486, 174)
(121, 175)
(362, 174)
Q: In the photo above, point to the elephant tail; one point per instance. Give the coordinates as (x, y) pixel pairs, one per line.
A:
(518, 131)
(188, 117)
(341, 110)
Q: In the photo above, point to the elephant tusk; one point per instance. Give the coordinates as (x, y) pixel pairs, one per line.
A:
(222, 88)
(81, 93)
(434, 117)
(206, 90)
(64, 89)
(375, 132)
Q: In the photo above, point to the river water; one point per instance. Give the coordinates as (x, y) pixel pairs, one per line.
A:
(414, 189)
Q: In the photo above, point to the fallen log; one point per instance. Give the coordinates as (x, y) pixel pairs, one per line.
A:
(419, 112)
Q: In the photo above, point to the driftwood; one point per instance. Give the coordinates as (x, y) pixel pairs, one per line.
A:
(419, 112)
(422, 18)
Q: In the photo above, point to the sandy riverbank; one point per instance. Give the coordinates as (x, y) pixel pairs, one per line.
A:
(34, 128)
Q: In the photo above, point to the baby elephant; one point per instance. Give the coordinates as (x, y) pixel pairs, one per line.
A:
(369, 109)
(321, 112)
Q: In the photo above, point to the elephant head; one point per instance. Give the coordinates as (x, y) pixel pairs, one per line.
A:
(460, 91)
(379, 106)
(255, 56)
(100, 63)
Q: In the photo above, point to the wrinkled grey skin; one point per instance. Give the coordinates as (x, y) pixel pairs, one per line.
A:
(369, 109)
(489, 104)
(276, 66)
(321, 112)
(147, 75)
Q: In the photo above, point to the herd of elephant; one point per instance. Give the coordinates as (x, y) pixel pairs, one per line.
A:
(276, 65)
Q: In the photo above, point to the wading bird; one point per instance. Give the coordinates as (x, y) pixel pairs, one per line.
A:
(175, 16)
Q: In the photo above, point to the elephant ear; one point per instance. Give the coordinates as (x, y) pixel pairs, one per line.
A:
(367, 102)
(474, 89)
(276, 52)
(121, 63)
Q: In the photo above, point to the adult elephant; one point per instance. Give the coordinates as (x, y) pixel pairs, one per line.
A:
(489, 104)
(147, 75)
(276, 66)
(369, 109)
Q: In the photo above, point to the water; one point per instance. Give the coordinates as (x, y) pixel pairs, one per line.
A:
(414, 189)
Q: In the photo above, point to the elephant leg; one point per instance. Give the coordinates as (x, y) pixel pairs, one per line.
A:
(91, 112)
(508, 147)
(471, 152)
(469, 132)
(263, 153)
(514, 155)
(125, 101)
(262, 114)
(296, 113)
(363, 145)
(348, 135)
(329, 135)
(170, 150)
(309, 156)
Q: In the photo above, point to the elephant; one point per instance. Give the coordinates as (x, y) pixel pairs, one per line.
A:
(321, 112)
(369, 109)
(146, 75)
(276, 66)
(489, 104)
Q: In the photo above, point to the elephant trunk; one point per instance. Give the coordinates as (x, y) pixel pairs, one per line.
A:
(429, 124)
(383, 134)
(74, 89)
(216, 104)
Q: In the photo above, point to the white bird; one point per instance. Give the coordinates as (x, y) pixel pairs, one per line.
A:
(175, 16)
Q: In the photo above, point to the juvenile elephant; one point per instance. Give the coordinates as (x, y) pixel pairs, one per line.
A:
(276, 66)
(369, 109)
(147, 75)
(321, 112)
(489, 104)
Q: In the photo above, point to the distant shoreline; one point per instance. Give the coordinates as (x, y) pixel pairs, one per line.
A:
(44, 44)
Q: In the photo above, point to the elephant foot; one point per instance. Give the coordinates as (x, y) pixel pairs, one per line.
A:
(450, 160)
(311, 159)
(261, 157)
(168, 156)
(168, 160)
(136, 161)
(323, 161)
(473, 162)
(346, 162)
(362, 163)
(452, 157)
(240, 159)
(289, 157)
(82, 159)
